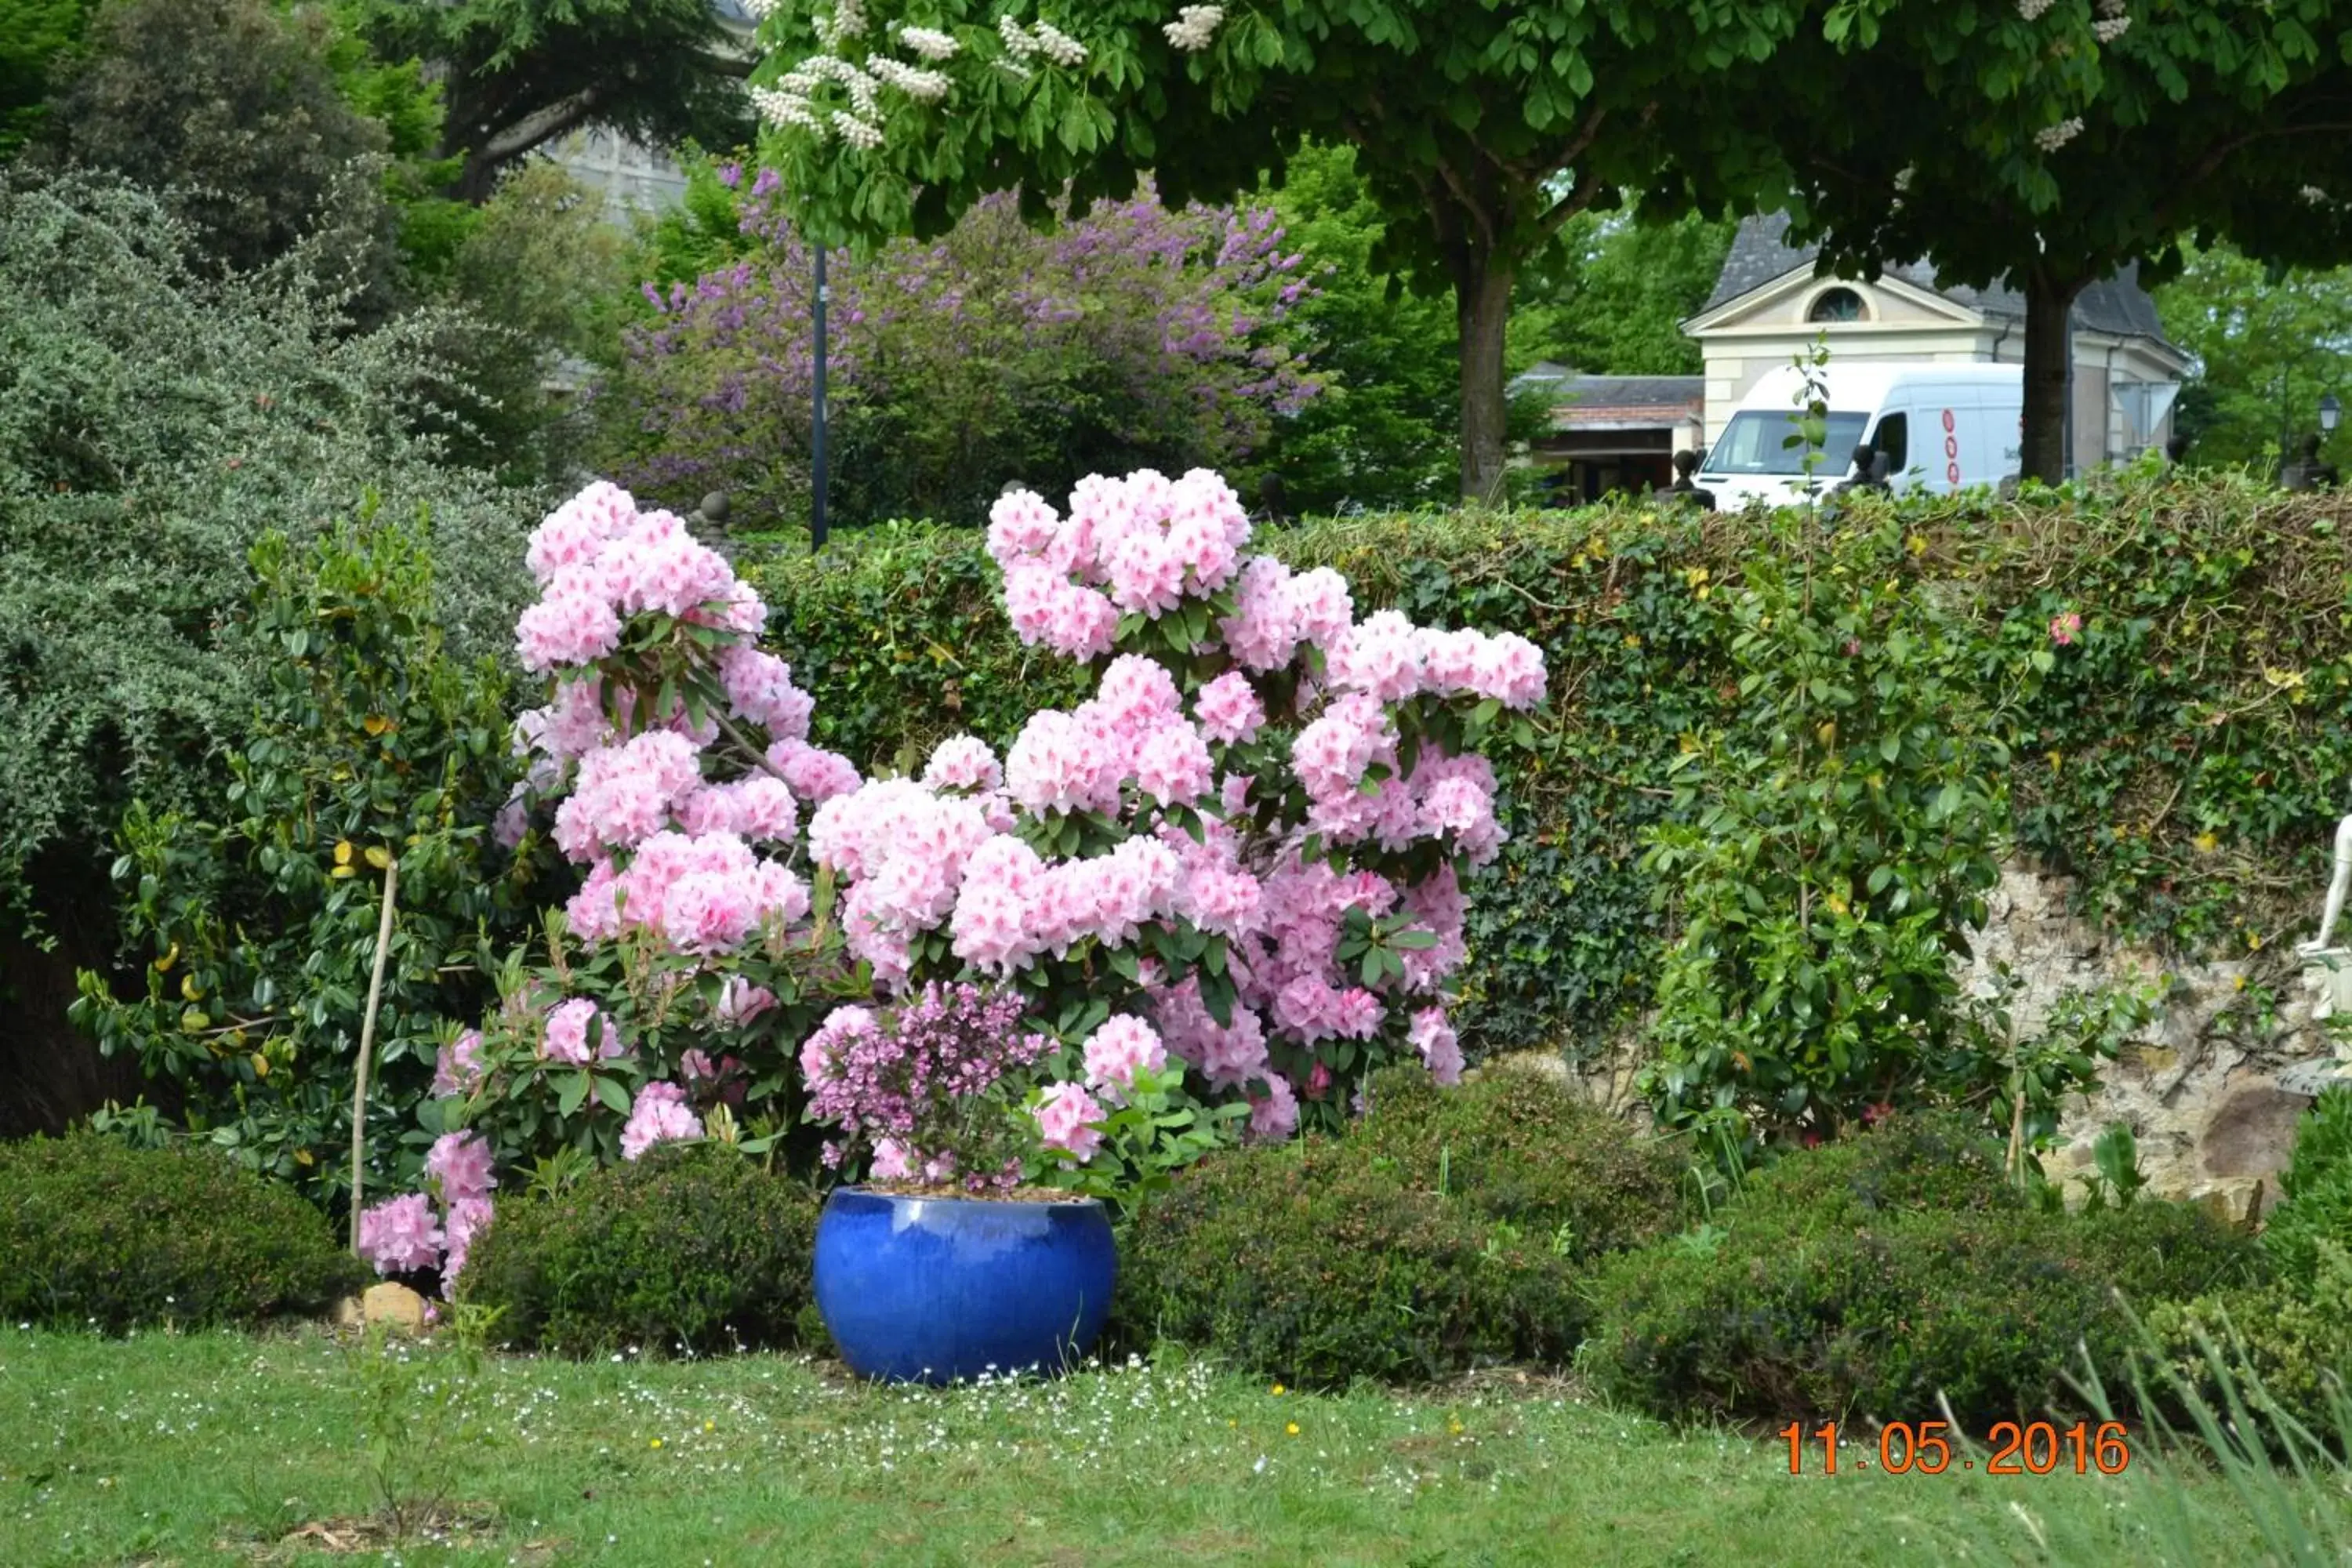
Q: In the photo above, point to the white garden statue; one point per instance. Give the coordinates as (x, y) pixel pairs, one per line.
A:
(2336, 887)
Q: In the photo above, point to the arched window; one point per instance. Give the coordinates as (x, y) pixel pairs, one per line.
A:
(1835, 305)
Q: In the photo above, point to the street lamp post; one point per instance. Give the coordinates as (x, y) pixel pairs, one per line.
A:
(816, 440)
(2331, 414)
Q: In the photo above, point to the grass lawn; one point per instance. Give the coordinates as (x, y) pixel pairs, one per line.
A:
(230, 1448)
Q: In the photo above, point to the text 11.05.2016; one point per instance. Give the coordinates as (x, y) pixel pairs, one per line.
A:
(2029, 1448)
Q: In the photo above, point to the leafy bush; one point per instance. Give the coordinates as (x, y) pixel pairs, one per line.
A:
(2292, 1337)
(695, 1248)
(153, 428)
(2317, 1207)
(1870, 1278)
(94, 1232)
(1520, 1150)
(1306, 1262)
(259, 931)
(1134, 336)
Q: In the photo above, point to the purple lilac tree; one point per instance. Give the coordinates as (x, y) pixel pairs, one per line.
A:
(1135, 336)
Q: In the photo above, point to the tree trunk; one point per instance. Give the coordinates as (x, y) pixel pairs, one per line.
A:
(2048, 306)
(1482, 308)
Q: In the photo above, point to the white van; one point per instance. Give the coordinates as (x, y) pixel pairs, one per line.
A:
(1944, 428)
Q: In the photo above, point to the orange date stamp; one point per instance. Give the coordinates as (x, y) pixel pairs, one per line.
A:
(2028, 1448)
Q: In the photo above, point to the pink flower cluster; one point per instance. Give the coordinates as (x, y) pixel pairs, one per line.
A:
(1138, 545)
(953, 850)
(906, 1082)
(401, 1235)
(706, 895)
(660, 1115)
(599, 560)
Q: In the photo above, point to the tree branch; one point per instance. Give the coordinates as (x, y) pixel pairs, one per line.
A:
(541, 125)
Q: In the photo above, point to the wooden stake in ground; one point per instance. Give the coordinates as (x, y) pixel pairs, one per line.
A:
(367, 1041)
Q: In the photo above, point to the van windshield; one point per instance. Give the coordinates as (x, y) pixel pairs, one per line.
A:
(1751, 444)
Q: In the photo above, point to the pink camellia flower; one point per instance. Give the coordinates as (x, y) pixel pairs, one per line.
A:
(660, 1115)
(461, 1163)
(400, 1235)
(1065, 1122)
(1115, 1053)
(2065, 628)
(568, 1033)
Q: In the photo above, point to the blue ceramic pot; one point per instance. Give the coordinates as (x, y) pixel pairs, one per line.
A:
(934, 1290)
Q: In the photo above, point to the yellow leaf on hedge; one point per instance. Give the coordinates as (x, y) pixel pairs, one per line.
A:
(340, 872)
(377, 857)
(376, 723)
(260, 1065)
(189, 989)
(343, 853)
(171, 956)
(304, 1157)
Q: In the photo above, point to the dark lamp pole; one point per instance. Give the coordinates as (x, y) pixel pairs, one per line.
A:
(816, 442)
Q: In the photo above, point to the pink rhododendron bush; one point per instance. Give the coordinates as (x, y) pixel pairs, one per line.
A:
(1214, 896)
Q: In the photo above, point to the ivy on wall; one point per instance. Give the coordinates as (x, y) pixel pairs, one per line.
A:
(2181, 748)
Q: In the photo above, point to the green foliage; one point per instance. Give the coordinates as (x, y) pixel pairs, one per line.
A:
(2291, 1337)
(1871, 1277)
(1520, 1150)
(33, 37)
(1829, 848)
(2184, 759)
(1382, 431)
(1307, 1262)
(258, 929)
(228, 110)
(2267, 344)
(1611, 295)
(1479, 132)
(520, 74)
(2316, 1209)
(691, 1251)
(152, 426)
(1154, 1132)
(96, 1233)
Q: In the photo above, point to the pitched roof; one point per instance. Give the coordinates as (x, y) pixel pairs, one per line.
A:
(1760, 253)
(1567, 388)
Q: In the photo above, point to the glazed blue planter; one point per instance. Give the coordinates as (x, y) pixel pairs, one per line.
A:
(918, 1289)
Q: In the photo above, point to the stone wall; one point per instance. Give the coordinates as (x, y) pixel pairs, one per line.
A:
(2200, 1087)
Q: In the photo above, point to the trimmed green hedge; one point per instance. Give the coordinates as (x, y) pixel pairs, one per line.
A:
(97, 1234)
(1874, 1275)
(693, 1249)
(2186, 755)
(1449, 1230)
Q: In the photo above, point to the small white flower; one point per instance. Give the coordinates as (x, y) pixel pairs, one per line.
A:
(2031, 9)
(847, 21)
(2314, 195)
(1903, 178)
(862, 134)
(929, 42)
(2107, 32)
(2051, 138)
(1195, 27)
(1017, 38)
(786, 109)
(1058, 46)
(923, 86)
(761, 10)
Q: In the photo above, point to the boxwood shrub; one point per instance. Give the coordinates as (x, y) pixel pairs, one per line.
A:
(1866, 1278)
(1520, 1148)
(693, 1249)
(95, 1233)
(1308, 1263)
